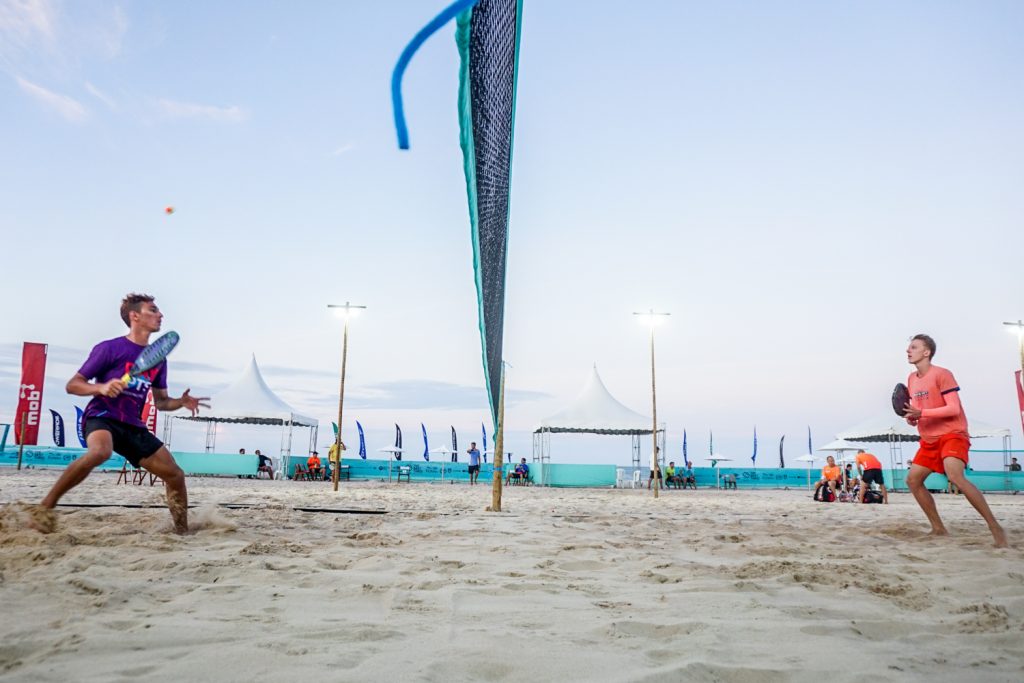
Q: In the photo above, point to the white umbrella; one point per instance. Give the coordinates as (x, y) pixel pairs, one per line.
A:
(807, 459)
(715, 459)
(443, 450)
(392, 450)
(840, 445)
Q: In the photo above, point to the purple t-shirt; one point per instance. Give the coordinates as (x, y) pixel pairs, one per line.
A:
(109, 360)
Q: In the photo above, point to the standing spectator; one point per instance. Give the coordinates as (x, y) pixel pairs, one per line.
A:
(1014, 465)
(474, 462)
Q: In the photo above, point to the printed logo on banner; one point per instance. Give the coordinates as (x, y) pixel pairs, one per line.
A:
(58, 428)
(30, 393)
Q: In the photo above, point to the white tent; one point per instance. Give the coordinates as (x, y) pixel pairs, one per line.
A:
(895, 428)
(248, 400)
(595, 411)
(895, 431)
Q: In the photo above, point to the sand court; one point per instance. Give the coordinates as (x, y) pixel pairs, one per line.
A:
(580, 584)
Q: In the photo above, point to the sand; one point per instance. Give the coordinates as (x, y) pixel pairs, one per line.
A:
(563, 584)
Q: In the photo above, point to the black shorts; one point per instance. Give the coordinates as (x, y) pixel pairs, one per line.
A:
(872, 477)
(474, 468)
(134, 443)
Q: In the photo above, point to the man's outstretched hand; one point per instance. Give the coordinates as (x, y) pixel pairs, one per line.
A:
(194, 403)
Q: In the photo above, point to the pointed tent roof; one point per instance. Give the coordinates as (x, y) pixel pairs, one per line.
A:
(596, 411)
(250, 401)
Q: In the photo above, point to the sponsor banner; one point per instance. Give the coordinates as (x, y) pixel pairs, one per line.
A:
(30, 393)
(362, 441)
(1020, 396)
(426, 447)
(58, 428)
(149, 412)
(455, 445)
(78, 425)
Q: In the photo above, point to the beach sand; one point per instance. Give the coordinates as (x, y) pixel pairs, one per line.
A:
(563, 584)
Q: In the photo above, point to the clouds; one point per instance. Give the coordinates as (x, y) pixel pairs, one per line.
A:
(26, 22)
(67, 107)
(189, 110)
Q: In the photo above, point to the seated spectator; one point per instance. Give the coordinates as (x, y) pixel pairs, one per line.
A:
(729, 481)
(1014, 465)
(266, 465)
(688, 477)
(831, 474)
(672, 477)
(521, 474)
(316, 470)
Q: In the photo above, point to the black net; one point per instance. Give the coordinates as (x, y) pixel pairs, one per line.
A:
(492, 57)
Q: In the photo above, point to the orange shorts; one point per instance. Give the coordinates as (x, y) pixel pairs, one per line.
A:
(930, 455)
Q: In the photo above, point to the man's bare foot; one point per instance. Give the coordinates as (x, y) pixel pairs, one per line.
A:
(1000, 537)
(39, 518)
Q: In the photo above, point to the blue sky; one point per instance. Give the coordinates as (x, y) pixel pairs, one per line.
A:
(803, 185)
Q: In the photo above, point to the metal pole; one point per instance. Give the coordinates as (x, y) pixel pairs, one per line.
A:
(654, 426)
(499, 456)
(335, 470)
(21, 441)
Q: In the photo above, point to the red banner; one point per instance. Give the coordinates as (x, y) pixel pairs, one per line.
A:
(149, 412)
(30, 393)
(1020, 396)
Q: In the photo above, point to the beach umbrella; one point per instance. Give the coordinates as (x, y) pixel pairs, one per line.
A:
(840, 446)
(443, 450)
(390, 450)
(807, 459)
(715, 459)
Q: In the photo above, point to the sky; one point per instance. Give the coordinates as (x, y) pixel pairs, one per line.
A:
(802, 185)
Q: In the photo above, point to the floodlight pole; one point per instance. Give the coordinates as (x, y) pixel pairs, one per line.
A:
(348, 310)
(656, 482)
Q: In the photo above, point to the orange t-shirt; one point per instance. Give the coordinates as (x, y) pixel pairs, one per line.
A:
(831, 473)
(929, 393)
(868, 462)
(313, 462)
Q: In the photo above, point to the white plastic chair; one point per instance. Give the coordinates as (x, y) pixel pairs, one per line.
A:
(637, 484)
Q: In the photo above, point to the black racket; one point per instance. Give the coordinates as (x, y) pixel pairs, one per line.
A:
(153, 355)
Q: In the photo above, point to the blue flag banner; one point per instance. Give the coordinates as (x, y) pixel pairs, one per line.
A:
(362, 441)
(78, 425)
(426, 447)
(334, 426)
(58, 428)
(810, 448)
(455, 446)
(686, 461)
(398, 441)
(782, 459)
(753, 458)
(711, 444)
(483, 430)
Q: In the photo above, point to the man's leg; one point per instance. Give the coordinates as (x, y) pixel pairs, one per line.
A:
(885, 494)
(162, 465)
(100, 446)
(955, 474)
(915, 482)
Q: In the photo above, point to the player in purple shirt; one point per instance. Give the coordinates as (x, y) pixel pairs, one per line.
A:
(113, 419)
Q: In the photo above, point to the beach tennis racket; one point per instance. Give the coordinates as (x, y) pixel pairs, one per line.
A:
(153, 355)
(900, 399)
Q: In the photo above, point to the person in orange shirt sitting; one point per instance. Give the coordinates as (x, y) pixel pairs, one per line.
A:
(831, 473)
(870, 473)
(936, 411)
(316, 470)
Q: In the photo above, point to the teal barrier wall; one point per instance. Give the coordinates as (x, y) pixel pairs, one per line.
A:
(191, 463)
(419, 470)
(566, 475)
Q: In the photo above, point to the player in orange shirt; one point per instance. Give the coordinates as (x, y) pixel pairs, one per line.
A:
(936, 411)
(831, 473)
(870, 473)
